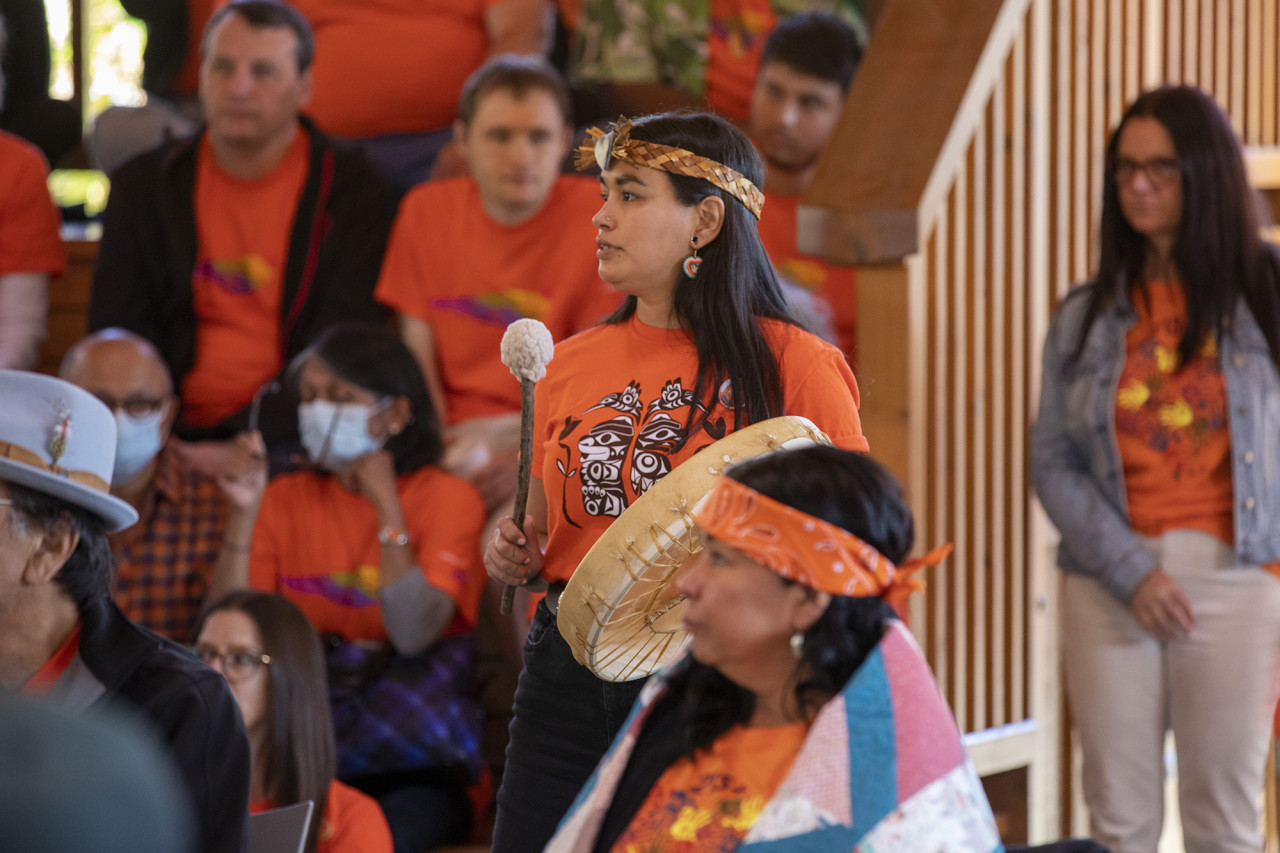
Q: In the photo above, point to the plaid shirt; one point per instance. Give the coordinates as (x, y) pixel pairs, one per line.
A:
(163, 563)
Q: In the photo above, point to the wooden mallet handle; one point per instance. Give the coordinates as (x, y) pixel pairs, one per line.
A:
(525, 474)
(526, 348)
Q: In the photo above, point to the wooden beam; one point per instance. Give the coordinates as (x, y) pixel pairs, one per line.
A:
(79, 53)
(861, 207)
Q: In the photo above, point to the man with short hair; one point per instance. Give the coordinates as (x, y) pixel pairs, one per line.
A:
(61, 636)
(646, 56)
(806, 69)
(470, 255)
(232, 250)
(165, 563)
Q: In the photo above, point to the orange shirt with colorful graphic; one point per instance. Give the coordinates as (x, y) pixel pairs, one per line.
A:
(29, 240)
(710, 802)
(316, 544)
(392, 66)
(352, 822)
(735, 40)
(243, 230)
(837, 285)
(468, 277)
(610, 414)
(1171, 424)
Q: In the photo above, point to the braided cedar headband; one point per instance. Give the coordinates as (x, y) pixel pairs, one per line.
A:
(603, 147)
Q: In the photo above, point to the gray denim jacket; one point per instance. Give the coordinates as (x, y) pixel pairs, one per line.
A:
(1075, 460)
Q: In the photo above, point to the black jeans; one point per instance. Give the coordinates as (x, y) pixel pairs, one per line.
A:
(565, 719)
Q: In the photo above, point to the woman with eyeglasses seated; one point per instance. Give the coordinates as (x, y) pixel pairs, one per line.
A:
(274, 663)
(1156, 454)
(803, 717)
(376, 544)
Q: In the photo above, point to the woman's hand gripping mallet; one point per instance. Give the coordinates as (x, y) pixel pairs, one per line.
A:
(526, 349)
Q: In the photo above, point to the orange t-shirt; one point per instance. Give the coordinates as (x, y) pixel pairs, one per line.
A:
(29, 240)
(392, 66)
(570, 12)
(352, 822)
(243, 230)
(610, 415)
(1171, 425)
(44, 678)
(468, 277)
(735, 40)
(711, 801)
(837, 285)
(316, 544)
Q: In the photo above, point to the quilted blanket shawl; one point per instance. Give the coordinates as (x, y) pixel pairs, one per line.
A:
(881, 770)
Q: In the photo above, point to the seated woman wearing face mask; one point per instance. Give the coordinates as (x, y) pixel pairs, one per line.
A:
(376, 545)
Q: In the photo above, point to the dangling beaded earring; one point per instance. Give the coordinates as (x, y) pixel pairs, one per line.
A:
(797, 645)
(692, 262)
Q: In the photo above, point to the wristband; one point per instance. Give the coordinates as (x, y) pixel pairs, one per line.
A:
(389, 535)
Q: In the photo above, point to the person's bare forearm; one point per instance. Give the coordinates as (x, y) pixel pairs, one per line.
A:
(24, 317)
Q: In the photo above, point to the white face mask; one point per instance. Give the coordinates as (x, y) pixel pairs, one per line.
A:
(138, 440)
(334, 434)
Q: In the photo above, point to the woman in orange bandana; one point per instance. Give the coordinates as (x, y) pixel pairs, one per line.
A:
(804, 716)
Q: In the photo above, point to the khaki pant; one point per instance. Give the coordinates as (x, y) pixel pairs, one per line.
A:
(1216, 690)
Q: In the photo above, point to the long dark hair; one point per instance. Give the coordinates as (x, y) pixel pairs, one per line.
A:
(301, 755)
(736, 285)
(374, 358)
(850, 490)
(1218, 250)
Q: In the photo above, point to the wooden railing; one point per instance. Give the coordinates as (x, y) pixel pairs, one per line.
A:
(964, 183)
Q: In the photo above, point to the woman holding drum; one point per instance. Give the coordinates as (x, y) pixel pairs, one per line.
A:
(702, 346)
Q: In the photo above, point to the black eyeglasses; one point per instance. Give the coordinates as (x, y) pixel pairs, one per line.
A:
(237, 665)
(1160, 171)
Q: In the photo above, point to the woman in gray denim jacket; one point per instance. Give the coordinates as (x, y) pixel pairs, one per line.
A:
(1174, 628)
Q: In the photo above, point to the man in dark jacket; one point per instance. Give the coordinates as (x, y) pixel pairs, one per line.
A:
(232, 250)
(62, 638)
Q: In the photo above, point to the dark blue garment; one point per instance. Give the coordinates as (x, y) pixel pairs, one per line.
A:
(565, 718)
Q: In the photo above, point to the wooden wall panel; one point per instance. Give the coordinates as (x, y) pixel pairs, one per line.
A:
(997, 227)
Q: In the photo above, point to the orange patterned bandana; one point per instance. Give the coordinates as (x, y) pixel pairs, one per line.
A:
(805, 549)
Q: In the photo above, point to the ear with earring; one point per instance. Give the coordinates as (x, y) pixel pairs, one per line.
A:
(692, 262)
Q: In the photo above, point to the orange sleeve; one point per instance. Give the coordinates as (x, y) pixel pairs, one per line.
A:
(445, 516)
(406, 265)
(29, 222)
(353, 823)
(820, 386)
(265, 554)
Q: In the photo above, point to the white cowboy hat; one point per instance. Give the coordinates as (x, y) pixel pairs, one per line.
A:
(60, 440)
